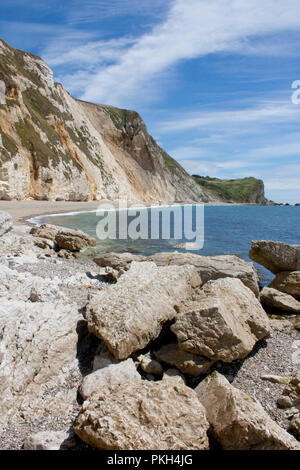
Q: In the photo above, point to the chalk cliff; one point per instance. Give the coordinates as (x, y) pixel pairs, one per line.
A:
(55, 147)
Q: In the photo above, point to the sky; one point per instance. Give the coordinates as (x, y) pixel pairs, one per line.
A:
(212, 78)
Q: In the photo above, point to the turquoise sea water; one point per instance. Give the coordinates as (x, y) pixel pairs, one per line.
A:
(228, 230)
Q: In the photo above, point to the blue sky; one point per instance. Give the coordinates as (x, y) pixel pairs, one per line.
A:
(211, 78)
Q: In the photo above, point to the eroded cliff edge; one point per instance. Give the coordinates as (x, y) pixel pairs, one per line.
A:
(55, 147)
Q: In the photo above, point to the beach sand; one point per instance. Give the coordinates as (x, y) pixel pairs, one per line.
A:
(21, 211)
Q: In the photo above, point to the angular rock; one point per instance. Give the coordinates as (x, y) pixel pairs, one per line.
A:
(46, 231)
(287, 282)
(187, 363)
(149, 365)
(275, 299)
(223, 321)
(131, 313)
(297, 324)
(208, 267)
(49, 440)
(237, 422)
(6, 222)
(124, 371)
(276, 256)
(117, 261)
(143, 415)
(65, 238)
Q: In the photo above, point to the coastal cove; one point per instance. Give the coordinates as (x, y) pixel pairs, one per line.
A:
(228, 230)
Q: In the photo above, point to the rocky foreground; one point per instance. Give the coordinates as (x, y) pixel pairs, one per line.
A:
(175, 351)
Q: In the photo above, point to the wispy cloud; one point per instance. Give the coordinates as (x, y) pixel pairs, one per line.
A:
(95, 9)
(192, 29)
(265, 112)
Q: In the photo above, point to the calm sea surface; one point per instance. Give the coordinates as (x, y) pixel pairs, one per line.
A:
(228, 230)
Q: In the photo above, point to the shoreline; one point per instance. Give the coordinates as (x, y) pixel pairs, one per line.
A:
(23, 211)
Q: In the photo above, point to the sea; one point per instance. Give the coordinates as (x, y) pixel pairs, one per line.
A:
(226, 230)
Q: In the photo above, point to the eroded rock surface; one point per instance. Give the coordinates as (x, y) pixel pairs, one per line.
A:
(276, 256)
(49, 440)
(287, 282)
(163, 415)
(274, 299)
(223, 321)
(38, 353)
(65, 238)
(5, 222)
(186, 362)
(131, 313)
(208, 267)
(237, 422)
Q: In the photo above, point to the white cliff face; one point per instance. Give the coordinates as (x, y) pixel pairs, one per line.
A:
(55, 147)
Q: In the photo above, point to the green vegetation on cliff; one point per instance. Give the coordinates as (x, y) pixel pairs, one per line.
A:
(245, 190)
(120, 117)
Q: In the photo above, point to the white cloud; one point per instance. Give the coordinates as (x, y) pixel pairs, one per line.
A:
(192, 29)
(87, 54)
(266, 112)
(95, 9)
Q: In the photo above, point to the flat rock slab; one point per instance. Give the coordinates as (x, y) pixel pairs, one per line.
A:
(223, 321)
(275, 299)
(38, 344)
(276, 256)
(131, 313)
(208, 267)
(287, 282)
(237, 422)
(144, 415)
(186, 362)
(65, 238)
(6, 222)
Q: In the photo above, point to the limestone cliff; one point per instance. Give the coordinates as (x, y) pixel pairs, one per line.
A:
(243, 191)
(55, 147)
